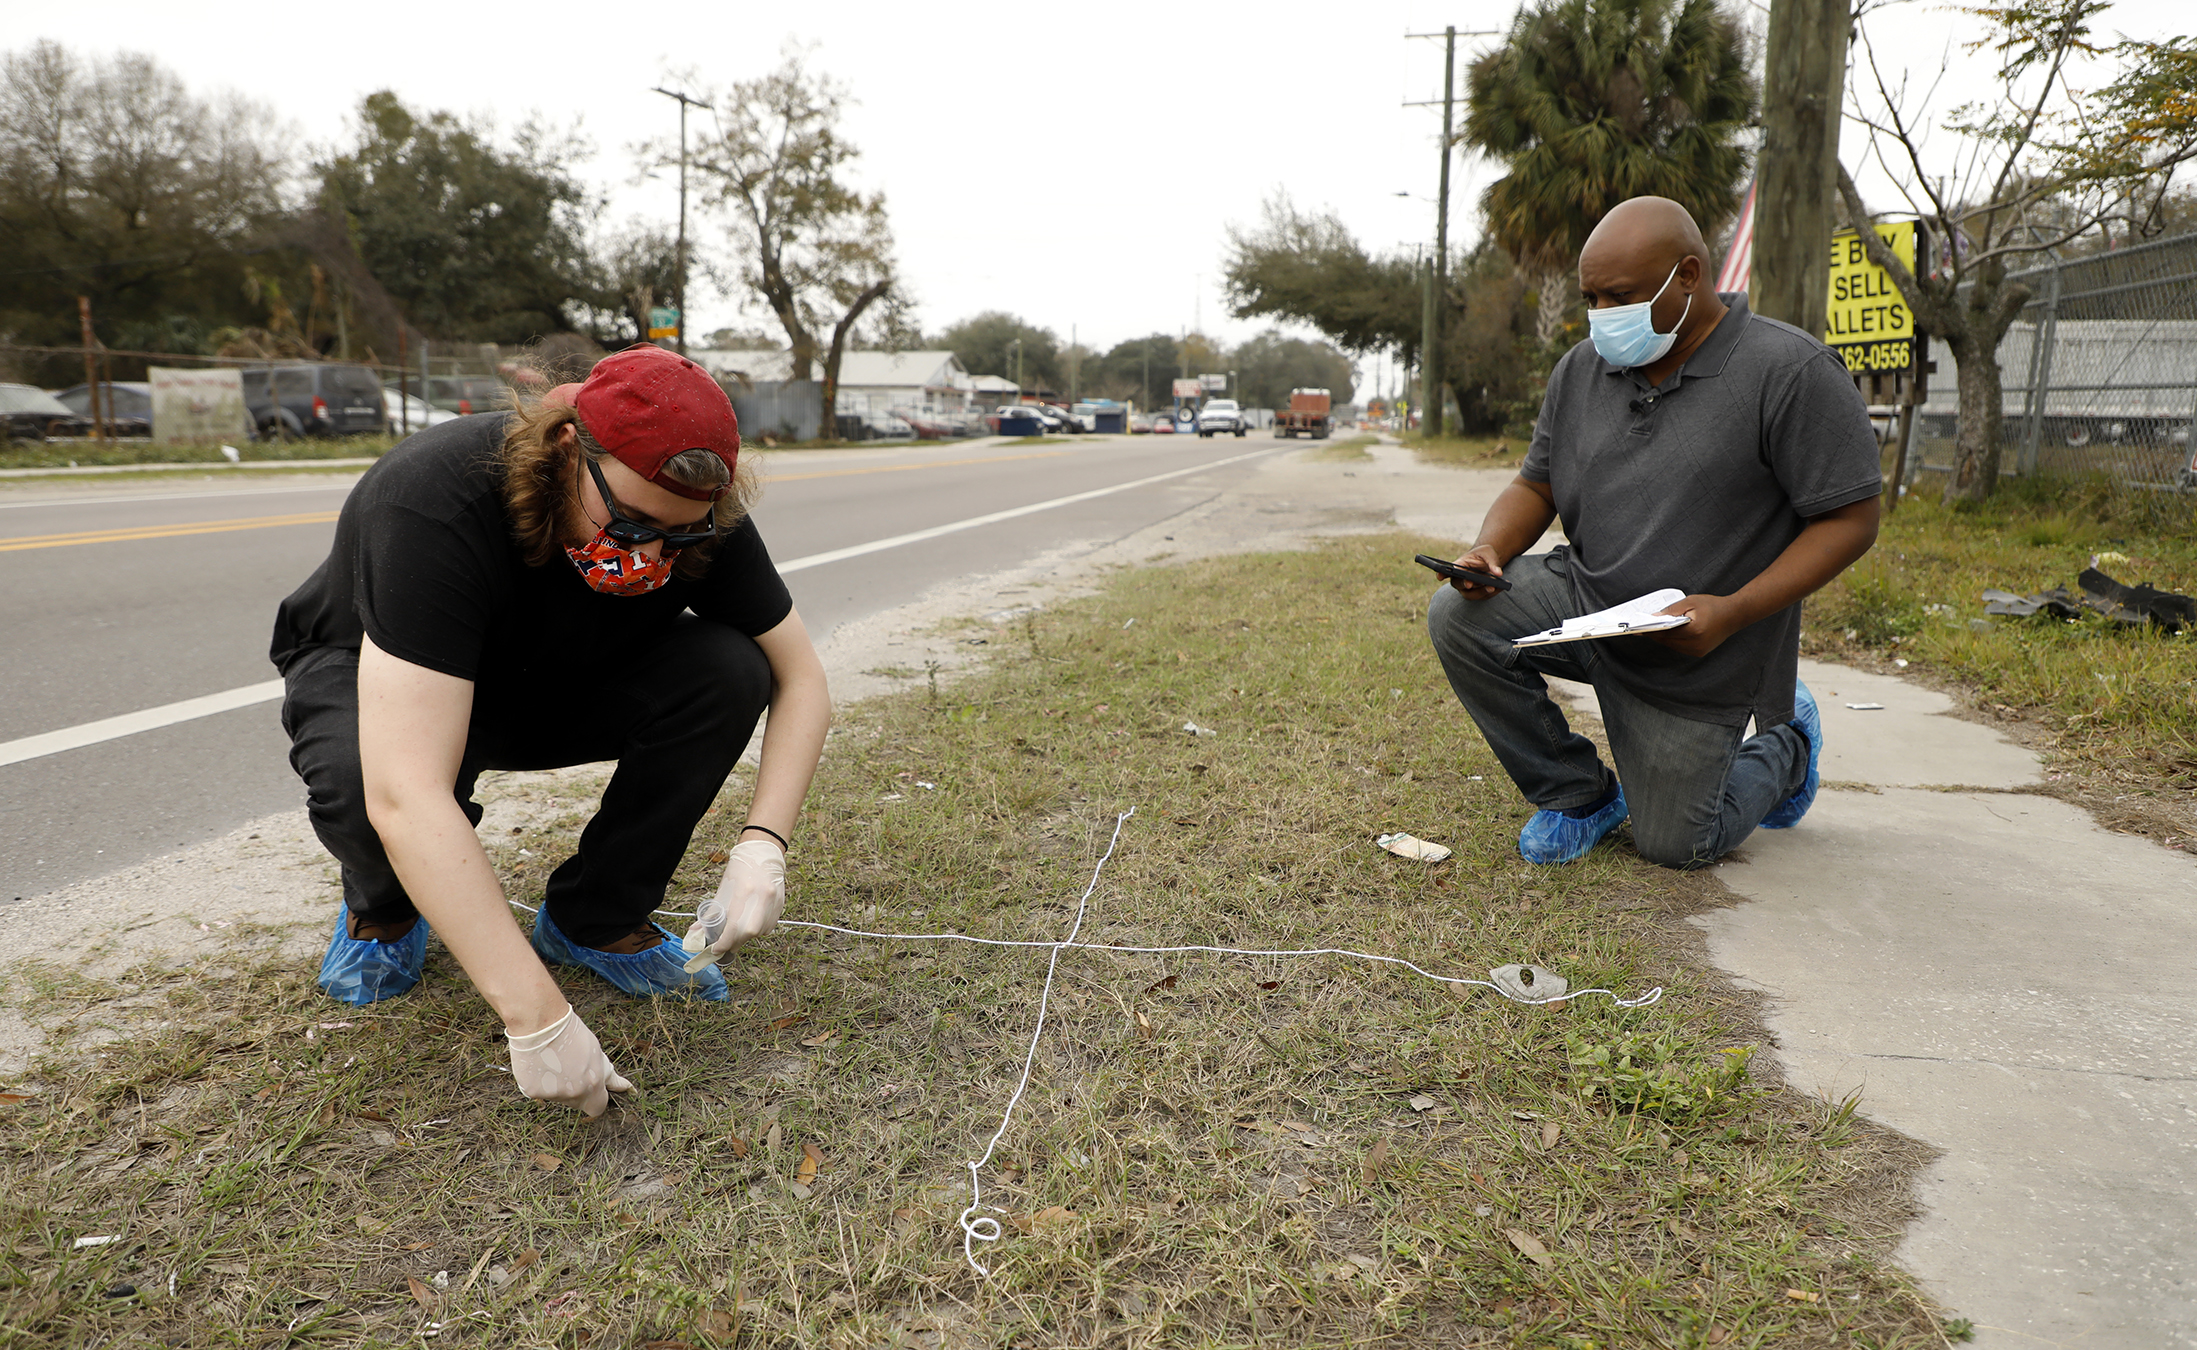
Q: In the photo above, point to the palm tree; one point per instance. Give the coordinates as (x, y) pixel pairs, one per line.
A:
(1590, 102)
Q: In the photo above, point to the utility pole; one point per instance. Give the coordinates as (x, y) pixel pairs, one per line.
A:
(1436, 404)
(684, 103)
(1437, 278)
(1797, 169)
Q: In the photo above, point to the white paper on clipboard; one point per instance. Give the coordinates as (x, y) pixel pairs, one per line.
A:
(1634, 616)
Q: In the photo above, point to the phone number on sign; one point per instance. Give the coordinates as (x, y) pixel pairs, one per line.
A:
(1897, 354)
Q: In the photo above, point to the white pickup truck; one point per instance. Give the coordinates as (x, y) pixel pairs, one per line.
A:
(1221, 415)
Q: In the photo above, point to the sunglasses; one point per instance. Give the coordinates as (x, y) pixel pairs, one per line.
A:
(632, 533)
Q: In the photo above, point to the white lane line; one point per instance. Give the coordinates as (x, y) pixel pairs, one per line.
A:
(129, 724)
(102, 499)
(168, 714)
(935, 531)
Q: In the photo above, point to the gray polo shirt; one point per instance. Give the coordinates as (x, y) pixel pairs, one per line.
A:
(1700, 483)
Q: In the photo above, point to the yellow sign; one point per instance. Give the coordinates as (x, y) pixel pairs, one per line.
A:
(1869, 323)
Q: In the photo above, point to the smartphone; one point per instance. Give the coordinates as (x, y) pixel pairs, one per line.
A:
(1456, 573)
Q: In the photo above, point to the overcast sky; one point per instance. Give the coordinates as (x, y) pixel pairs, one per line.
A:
(1079, 165)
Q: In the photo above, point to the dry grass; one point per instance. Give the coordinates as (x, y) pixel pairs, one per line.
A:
(2109, 705)
(1215, 1151)
(1468, 452)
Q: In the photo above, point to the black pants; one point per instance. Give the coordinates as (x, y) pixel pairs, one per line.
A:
(675, 717)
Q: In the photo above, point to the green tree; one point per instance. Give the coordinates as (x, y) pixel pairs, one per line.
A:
(1309, 267)
(477, 242)
(2039, 170)
(1140, 371)
(986, 345)
(1590, 102)
(1270, 365)
(120, 185)
(816, 250)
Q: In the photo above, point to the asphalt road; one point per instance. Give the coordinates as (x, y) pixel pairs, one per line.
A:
(117, 597)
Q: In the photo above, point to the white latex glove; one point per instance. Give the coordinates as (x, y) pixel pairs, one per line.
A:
(747, 904)
(563, 1062)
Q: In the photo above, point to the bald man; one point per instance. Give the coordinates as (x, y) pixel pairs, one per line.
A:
(1686, 444)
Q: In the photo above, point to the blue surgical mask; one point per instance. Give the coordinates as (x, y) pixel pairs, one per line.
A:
(1625, 334)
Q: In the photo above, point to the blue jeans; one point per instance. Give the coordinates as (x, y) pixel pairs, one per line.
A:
(1695, 789)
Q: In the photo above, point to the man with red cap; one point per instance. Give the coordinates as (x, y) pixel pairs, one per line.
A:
(570, 582)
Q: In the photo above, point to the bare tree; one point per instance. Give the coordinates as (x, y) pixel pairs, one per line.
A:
(815, 249)
(2035, 170)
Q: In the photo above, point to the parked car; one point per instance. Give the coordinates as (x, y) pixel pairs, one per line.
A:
(410, 410)
(1139, 424)
(313, 400)
(129, 410)
(468, 394)
(1220, 416)
(34, 415)
(1162, 424)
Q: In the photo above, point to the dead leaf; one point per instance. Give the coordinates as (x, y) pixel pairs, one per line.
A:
(375, 1116)
(1053, 1216)
(720, 856)
(1297, 1125)
(1719, 1334)
(525, 1259)
(421, 1293)
(1422, 1102)
(1549, 1132)
(812, 1159)
(417, 1246)
(1803, 1296)
(1375, 1161)
(738, 1145)
(715, 1323)
(774, 1137)
(1270, 984)
(789, 1020)
(1530, 1247)
(14, 1098)
(1679, 1159)
(822, 1039)
(548, 1162)
(1144, 1025)
(1165, 982)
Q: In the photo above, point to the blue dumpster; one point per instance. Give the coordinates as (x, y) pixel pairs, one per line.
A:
(1020, 424)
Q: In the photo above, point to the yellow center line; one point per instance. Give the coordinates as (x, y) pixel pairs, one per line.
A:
(115, 536)
(908, 468)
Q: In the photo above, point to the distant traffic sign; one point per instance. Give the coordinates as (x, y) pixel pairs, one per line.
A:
(1868, 322)
(663, 322)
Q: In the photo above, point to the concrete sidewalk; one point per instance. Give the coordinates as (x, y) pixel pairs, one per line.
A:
(2000, 978)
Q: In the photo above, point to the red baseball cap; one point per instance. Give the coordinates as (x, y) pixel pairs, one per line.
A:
(645, 405)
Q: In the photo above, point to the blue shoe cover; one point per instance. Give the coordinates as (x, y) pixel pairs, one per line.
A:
(1553, 837)
(659, 971)
(360, 971)
(1808, 721)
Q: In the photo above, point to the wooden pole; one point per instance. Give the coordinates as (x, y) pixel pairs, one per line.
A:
(1438, 294)
(91, 366)
(1797, 169)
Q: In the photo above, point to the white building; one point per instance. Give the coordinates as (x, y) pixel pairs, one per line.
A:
(873, 383)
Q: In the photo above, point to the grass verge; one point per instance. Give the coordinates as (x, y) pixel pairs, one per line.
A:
(1349, 449)
(1214, 1150)
(1468, 452)
(76, 453)
(2110, 702)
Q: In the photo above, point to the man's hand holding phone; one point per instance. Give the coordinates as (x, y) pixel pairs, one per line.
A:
(1478, 575)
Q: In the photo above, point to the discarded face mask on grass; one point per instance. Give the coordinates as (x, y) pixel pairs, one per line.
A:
(2101, 594)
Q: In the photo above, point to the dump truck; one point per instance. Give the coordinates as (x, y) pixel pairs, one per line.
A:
(1308, 414)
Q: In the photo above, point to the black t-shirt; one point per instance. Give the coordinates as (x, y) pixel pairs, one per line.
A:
(425, 562)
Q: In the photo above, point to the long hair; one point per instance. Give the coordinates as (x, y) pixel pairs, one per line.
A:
(541, 483)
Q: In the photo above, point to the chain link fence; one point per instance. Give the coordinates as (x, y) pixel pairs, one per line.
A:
(2099, 371)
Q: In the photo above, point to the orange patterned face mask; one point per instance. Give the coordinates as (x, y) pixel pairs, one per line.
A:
(620, 571)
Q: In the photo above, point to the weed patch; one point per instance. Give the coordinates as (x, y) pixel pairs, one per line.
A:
(1214, 1150)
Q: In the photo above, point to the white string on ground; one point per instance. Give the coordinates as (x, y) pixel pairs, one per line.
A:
(982, 1227)
(977, 1227)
